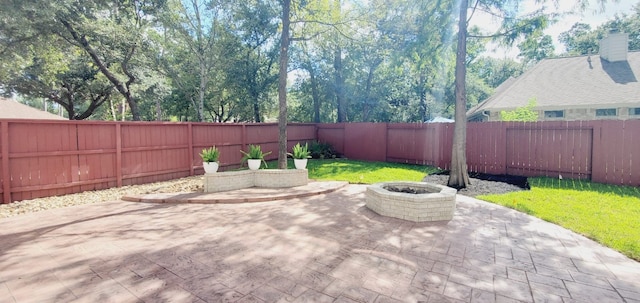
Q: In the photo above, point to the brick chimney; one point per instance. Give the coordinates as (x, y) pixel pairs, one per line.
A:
(614, 47)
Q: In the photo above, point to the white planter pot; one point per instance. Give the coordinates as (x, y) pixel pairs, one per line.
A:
(254, 164)
(300, 163)
(210, 167)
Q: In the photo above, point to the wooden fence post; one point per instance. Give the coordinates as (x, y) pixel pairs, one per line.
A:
(244, 137)
(386, 142)
(6, 176)
(119, 154)
(190, 134)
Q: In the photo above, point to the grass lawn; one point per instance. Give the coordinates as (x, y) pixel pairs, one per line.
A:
(606, 213)
(362, 172)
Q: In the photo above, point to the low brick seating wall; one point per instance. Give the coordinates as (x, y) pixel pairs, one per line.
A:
(436, 205)
(266, 178)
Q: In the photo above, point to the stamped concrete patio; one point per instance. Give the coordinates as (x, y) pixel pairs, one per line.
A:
(324, 248)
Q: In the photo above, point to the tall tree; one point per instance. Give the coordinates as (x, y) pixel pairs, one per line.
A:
(196, 25)
(111, 34)
(512, 28)
(421, 32)
(63, 76)
(128, 20)
(458, 175)
(282, 83)
(309, 14)
(312, 88)
(255, 59)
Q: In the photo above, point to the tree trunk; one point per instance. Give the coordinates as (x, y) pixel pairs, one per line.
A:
(158, 110)
(315, 94)
(201, 91)
(337, 65)
(422, 109)
(458, 176)
(257, 117)
(282, 86)
(113, 110)
(366, 107)
(123, 111)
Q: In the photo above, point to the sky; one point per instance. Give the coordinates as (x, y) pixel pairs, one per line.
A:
(593, 16)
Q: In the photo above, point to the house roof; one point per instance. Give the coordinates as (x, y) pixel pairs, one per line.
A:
(570, 82)
(10, 109)
(440, 119)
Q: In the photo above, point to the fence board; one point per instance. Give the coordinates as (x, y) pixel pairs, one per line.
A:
(550, 149)
(332, 134)
(445, 135)
(604, 151)
(45, 156)
(229, 138)
(100, 163)
(485, 151)
(405, 144)
(617, 153)
(265, 135)
(154, 152)
(412, 143)
(5, 187)
(367, 141)
(41, 158)
(262, 133)
(301, 133)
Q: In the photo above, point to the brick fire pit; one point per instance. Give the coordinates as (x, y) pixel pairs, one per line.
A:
(413, 201)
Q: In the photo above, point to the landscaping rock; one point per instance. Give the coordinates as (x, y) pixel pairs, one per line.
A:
(478, 186)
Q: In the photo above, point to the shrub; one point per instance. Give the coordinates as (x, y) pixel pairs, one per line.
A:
(320, 150)
(521, 114)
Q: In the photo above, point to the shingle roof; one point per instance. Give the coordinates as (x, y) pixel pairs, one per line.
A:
(10, 109)
(571, 82)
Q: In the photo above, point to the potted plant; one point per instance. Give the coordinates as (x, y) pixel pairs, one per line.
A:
(300, 155)
(210, 159)
(254, 157)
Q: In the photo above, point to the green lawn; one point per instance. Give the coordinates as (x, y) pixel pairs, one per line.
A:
(362, 172)
(606, 213)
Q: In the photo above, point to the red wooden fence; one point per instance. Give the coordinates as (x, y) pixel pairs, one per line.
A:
(44, 158)
(603, 151)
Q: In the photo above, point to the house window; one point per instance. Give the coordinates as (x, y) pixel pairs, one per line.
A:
(554, 114)
(606, 112)
(634, 111)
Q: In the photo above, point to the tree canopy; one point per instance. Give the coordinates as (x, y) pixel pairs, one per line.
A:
(212, 60)
(581, 39)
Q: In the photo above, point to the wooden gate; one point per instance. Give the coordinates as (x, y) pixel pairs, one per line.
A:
(550, 151)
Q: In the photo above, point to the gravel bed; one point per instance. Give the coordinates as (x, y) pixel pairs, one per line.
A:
(477, 187)
(188, 184)
(194, 184)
